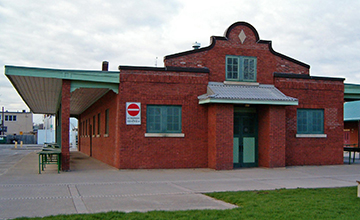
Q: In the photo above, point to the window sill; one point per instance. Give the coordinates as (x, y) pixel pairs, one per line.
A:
(164, 135)
(311, 135)
(106, 135)
(98, 135)
(241, 83)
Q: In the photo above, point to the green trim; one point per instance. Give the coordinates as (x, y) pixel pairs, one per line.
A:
(246, 139)
(236, 150)
(348, 96)
(240, 67)
(94, 85)
(310, 121)
(255, 102)
(82, 75)
(352, 91)
(163, 119)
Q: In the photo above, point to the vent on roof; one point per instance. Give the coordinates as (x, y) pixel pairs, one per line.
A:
(196, 45)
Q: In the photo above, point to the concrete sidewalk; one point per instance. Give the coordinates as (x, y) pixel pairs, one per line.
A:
(93, 186)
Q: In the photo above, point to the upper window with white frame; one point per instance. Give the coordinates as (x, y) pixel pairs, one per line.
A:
(163, 119)
(241, 68)
(310, 121)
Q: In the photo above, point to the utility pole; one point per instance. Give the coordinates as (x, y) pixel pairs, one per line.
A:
(2, 120)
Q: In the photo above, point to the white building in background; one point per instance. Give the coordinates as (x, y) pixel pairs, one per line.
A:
(18, 123)
(73, 132)
(47, 135)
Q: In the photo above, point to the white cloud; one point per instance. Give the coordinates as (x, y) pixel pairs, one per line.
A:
(80, 34)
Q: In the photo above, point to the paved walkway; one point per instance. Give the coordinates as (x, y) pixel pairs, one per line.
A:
(92, 186)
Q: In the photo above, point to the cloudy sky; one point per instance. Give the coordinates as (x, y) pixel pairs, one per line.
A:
(80, 34)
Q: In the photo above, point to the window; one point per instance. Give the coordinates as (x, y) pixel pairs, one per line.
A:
(241, 68)
(98, 124)
(310, 121)
(163, 119)
(14, 117)
(107, 121)
(6, 118)
(93, 128)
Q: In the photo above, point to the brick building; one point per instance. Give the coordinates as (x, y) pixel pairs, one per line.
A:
(234, 103)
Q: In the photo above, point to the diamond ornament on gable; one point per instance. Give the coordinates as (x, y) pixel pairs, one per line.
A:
(242, 36)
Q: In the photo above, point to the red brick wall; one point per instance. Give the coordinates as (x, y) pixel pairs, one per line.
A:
(163, 88)
(65, 116)
(316, 94)
(214, 59)
(272, 133)
(208, 129)
(103, 146)
(220, 136)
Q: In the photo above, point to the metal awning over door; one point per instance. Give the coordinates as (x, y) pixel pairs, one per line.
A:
(245, 94)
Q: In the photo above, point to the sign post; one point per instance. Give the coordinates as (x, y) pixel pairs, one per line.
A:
(133, 113)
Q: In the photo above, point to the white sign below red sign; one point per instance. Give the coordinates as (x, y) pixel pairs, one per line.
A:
(133, 113)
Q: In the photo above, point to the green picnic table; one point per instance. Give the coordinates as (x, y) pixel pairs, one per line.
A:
(49, 155)
(351, 148)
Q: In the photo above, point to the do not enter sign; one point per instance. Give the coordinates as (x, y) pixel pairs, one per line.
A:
(133, 109)
(133, 113)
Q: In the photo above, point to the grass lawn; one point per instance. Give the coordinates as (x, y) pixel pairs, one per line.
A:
(332, 203)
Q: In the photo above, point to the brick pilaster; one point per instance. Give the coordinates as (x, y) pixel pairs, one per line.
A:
(65, 116)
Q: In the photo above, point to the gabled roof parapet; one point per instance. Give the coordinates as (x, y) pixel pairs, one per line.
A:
(213, 40)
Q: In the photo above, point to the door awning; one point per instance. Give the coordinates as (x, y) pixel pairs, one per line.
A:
(261, 94)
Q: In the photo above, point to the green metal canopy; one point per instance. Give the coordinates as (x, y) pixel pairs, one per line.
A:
(352, 111)
(40, 88)
(351, 92)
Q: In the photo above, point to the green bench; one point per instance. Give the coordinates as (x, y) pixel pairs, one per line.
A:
(50, 154)
(352, 148)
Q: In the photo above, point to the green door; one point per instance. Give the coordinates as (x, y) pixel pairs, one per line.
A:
(245, 152)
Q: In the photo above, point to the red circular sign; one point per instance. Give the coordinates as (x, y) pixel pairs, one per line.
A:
(133, 109)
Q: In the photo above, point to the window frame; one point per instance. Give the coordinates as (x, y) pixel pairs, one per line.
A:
(163, 117)
(98, 124)
(308, 126)
(94, 123)
(107, 122)
(240, 68)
